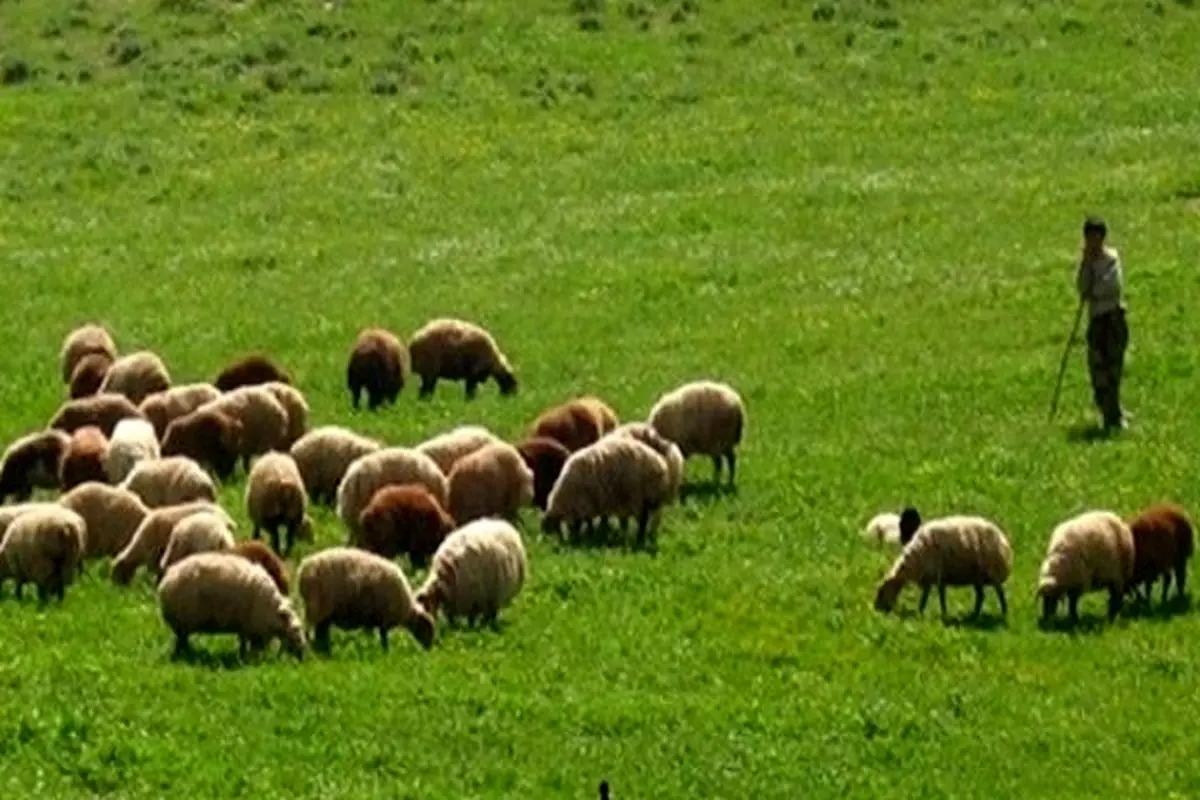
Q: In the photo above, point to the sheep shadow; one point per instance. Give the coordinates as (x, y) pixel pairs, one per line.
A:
(223, 661)
(1090, 624)
(1159, 612)
(981, 622)
(705, 493)
(601, 538)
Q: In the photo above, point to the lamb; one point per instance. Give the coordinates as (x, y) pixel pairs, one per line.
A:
(31, 462)
(546, 458)
(275, 498)
(202, 532)
(390, 466)
(404, 520)
(133, 440)
(883, 528)
(250, 370)
(703, 418)
(259, 553)
(103, 410)
(447, 448)
(84, 459)
(491, 482)
(82, 342)
(224, 593)
(1091, 551)
(1163, 541)
(112, 516)
(163, 408)
(137, 376)
(951, 551)
(208, 436)
(356, 590)
(618, 476)
(263, 418)
(377, 365)
(42, 546)
(477, 571)
(455, 350)
(151, 537)
(296, 408)
(323, 456)
(169, 481)
(577, 423)
(661, 445)
(88, 375)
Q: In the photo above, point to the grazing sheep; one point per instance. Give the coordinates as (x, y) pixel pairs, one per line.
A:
(404, 520)
(296, 408)
(103, 410)
(163, 408)
(88, 375)
(82, 342)
(275, 498)
(1163, 541)
(137, 376)
(151, 537)
(703, 418)
(251, 370)
(10, 513)
(323, 456)
(264, 420)
(202, 532)
(545, 457)
(491, 482)
(224, 593)
(447, 448)
(31, 462)
(618, 476)
(576, 423)
(42, 546)
(950, 551)
(390, 466)
(84, 459)
(356, 590)
(477, 571)
(259, 553)
(661, 445)
(208, 436)
(1088, 552)
(377, 365)
(133, 440)
(454, 350)
(111, 514)
(169, 481)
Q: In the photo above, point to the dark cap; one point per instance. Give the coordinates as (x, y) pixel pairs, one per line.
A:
(1094, 224)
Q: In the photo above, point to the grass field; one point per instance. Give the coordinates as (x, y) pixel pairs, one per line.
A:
(864, 215)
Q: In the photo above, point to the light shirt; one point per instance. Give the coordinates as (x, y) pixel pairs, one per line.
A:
(1100, 282)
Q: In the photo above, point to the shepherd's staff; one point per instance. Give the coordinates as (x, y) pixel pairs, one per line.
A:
(1062, 369)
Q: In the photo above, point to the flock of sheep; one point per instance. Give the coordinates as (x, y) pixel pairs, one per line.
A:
(137, 462)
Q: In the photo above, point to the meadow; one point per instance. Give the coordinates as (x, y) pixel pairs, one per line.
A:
(863, 215)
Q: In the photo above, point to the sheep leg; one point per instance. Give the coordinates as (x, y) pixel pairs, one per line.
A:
(256, 534)
(925, 590)
(716, 470)
(978, 601)
(20, 588)
(1073, 605)
(643, 525)
(1166, 587)
(942, 597)
(1180, 578)
(383, 639)
(731, 457)
(427, 387)
(182, 648)
(1114, 602)
(292, 531)
(1003, 600)
(354, 393)
(321, 637)
(246, 462)
(43, 594)
(274, 531)
(472, 388)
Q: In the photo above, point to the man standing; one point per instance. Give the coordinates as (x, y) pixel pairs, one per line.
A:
(1100, 284)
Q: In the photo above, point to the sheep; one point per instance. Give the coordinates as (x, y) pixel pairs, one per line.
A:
(88, 375)
(112, 516)
(577, 423)
(133, 440)
(264, 420)
(356, 590)
(31, 462)
(617, 475)
(960, 550)
(259, 553)
(202, 532)
(137, 376)
(491, 482)
(275, 497)
(323, 456)
(82, 342)
(390, 466)
(10, 513)
(103, 410)
(148, 542)
(477, 571)
(169, 481)
(703, 418)
(455, 350)
(1091, 551)
(378, 365)
(223, 593)
(661, 445)
(1163, 541)
(447, 448)
(43, 546)
(883, 528)
(163, 408)
(545, 457)
(208, 436)
(250, 370)
(403, 520)
(294, 405)
(84, 459)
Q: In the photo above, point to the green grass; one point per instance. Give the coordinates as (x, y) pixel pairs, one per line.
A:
(865, 216)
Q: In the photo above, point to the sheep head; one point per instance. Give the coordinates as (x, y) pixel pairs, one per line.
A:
(910, 521)
(888, 592)
(420, 625)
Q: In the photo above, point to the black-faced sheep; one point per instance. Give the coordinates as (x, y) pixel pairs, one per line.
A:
(88, 375)
(447, 448)
(208, 436)
(163, 408)
(275, 499)
(476, 572)
(391, 466)
(324, 454)
(103, 410)
(43, 546)
(133, 440)
(169, 481)
(493, 481)
(1091, 551)
(703, 418)
(84, 341)
(32, 462)
(377, 366)
(84, 459)
(1163, 540)
(575, 424)
(454, 350)
(112, 516)
(546, 458)
(148, 542)
(137, 376)
(250, 370)
(265, 557)
(404, 520)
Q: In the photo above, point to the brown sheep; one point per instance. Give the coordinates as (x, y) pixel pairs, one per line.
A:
(89, 374)
(577, 423)
(209, 437)
(264, 556)
(404, 519)
(82, 341)
(546, 457)
(103, 410)
(1162, 544)
(32, 462)
(163, 408)
(137, 376)
(251, 370)
(378, 364)
(454, 350)
(84, 459)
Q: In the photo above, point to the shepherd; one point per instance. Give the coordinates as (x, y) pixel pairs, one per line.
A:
(1100, 283)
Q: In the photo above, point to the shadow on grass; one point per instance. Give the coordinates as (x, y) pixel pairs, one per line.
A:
(1089, 433)
(705, 493)
(226, 660)
(1159, 612)
(1087, 624)
(982, 622)
(601, 537)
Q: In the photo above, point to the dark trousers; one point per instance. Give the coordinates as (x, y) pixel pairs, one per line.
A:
(1107, 338)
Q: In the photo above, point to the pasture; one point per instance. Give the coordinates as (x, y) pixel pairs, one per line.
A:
(863, 215)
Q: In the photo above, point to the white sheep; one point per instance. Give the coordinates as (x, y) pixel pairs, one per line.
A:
(294, 405)
(493, 481)
(883, 528)
(356, 590)
(83, 341)
(112, 516)
(644, 433)
(703, 418)
(43, 546)
(148, 542)
(324, 454)
(202, 532)
(476, 572)
(275, 498)
(390, 466)
(137, 376)
(447, 448)
(163, 408)
(133, 440)
(1089, 552)
(454, 350)
(170, 481)
(224, 593)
